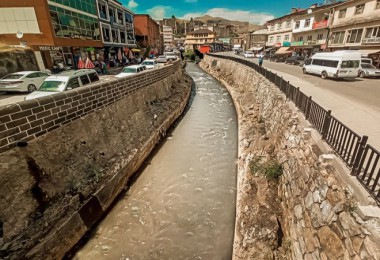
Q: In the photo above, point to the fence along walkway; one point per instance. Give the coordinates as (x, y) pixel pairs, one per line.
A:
(360, 157)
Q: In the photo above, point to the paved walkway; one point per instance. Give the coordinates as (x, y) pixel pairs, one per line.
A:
(361, 118)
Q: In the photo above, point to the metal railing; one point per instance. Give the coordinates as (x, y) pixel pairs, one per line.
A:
(362, 158)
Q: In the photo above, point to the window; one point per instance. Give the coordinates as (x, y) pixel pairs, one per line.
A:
(372, 32)
(103, 10)
(286, 38)
(119, 16)
(93, 77)
(32, 75)
(354, 36)
(338, 37)
(271, 28)
(350, 64)
(297, 25)
(73, 83)
(326, 63)
(342, 13)
(271, 39)
(279, 26)
(122, 37)
(106, 33)
(85, 80)
(310, 37)
(377, 6)
(307, 23)
(278, 38)
(320, 36)
(115, 35)
(112, 15)
(300, 39)
(289, 24)
(359, 9)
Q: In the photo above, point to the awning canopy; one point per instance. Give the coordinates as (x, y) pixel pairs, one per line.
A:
(255, 48)
(269, 49)
(366, 52)
(283, 50)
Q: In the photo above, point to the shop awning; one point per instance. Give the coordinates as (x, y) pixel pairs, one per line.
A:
(255, 48)
(269, 49)
(283, 50)
(366, 52)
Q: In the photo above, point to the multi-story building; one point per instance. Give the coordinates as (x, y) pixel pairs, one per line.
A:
(356, 26)
(198, 38)
(116, 26)
(57, 31)
(168, 37)
(310, 29)
(257, 40)
(147, 32)
(280, 31)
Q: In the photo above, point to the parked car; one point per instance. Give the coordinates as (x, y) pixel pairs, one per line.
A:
(162, 59)
(130, 70)
(294, 60)
(171, 56)
(150, 64)
(278, 58)
(248, 54)
(23, 81)
(368, 71)
(64, 81)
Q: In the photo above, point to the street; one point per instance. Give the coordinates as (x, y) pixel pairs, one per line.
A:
(356, 103)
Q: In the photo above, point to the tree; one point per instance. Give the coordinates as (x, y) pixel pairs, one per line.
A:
(173, 16)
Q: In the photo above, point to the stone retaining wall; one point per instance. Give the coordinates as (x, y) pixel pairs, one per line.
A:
(57, 185)
(308, 213)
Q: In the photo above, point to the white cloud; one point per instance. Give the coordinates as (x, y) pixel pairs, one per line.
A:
(235, 15)
(132, 4)
(191, 1)
(159, 12)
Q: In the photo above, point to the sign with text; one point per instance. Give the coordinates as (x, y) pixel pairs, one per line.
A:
(49, 48)
(322, 24)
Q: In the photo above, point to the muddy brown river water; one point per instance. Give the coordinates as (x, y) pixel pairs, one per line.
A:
(182, 206)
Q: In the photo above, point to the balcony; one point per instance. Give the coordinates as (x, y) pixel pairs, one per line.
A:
(321, 24)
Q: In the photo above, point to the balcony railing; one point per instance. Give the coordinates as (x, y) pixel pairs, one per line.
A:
(321, 24)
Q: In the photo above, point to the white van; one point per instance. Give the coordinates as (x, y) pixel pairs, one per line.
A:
(64, 81)
(337, 64)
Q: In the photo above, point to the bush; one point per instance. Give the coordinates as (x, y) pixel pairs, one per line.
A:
(271, 169)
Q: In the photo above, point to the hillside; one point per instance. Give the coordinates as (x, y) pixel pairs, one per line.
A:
(221, 20)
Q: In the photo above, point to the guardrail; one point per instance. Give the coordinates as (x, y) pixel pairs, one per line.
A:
(362, 158)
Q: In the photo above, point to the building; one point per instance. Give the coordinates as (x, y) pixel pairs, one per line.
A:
(356, 26)
(257, 40)
(311, 29)
(57, 31)
(280, 32)
(167, 36)
(199, 37)
(116, 26)
(147, 32)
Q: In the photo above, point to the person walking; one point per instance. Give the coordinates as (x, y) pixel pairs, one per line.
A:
(261, 60)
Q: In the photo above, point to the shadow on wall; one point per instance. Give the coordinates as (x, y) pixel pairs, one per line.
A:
(14, 59)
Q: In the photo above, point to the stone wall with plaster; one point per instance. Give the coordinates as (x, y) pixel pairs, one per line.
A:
(309, 213)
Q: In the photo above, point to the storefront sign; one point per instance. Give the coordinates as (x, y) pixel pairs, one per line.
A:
(300, 43)
(321, 24)
(371, 40)
(286, 44)
(311, 42)
(49, 48)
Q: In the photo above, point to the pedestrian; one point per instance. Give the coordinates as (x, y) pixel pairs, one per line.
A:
(261, 60)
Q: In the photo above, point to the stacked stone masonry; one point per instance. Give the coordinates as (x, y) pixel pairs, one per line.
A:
(25, 121)
(317, 213)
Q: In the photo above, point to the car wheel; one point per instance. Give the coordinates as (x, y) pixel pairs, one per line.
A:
(324, 75)
(31, 88)
(362, 74)
(304, 71)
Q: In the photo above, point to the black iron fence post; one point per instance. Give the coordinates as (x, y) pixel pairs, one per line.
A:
(326, 124)
(308, 107)
(358, 156)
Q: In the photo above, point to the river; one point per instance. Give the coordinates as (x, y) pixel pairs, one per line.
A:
(182, 206)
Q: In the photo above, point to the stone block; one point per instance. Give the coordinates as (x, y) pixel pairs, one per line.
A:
(326, 158)
(368, 212)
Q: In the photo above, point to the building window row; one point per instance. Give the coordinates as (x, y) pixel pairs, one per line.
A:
(113, 35)
(359, 9)
(114, 14)
(87, 6)
(355, 35)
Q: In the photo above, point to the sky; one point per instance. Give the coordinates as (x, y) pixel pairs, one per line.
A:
(253, 11)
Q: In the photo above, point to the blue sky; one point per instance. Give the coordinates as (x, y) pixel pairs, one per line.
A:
(254, 11)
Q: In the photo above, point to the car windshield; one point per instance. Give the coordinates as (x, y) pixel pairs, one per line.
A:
(129, 70)
(147, 63)
(52, 86)
(367, 66)
(13, 76)
(350, 64)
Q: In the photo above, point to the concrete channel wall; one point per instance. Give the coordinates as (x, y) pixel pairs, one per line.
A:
(76, 152)
(308, 213)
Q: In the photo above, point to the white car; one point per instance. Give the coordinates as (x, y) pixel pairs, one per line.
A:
(64, 81)
(249, 54)
(171, 56)
(150, 64)
(162, 59)
(23, 81)
(130, 70)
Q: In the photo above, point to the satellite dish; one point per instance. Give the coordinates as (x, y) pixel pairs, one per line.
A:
(19, 35)
(309, 11)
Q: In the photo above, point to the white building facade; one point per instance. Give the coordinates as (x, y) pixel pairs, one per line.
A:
(167, 36)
